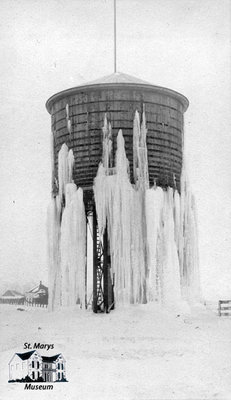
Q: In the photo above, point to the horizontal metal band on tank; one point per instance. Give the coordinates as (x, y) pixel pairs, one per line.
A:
(153, 138)
(117, 123)
(103, 106)
(154, 157)
(163, 163)
(124, 107)
(126, 116)
(96, 124)
(95, 144)
(169, 135)
(163, 180)
(81, 131)
(160, 160)
(163, 160)
(80, 173)
(153, 151)
(155, 170)
(154, 109)
(156, 173)
(89, 140)
(86, 180)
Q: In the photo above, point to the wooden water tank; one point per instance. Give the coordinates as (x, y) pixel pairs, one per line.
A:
(120, 95)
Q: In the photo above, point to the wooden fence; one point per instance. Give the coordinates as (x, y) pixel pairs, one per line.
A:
(24, 302)
(224, 308)
(35, 304)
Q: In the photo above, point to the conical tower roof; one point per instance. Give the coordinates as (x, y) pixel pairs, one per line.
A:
(118, 77)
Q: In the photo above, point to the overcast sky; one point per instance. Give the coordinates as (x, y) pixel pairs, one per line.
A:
(50, 45)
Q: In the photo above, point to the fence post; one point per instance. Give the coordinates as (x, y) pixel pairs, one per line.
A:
(224, 308)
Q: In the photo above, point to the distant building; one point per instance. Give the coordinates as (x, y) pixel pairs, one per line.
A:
(12, 297)
(35, 366)
(38, 294)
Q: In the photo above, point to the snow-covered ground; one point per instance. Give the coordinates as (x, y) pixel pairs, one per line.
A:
(140, 352)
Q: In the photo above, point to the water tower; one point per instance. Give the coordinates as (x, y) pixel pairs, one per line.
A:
(77, 117)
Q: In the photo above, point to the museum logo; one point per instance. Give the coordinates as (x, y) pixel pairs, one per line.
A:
(31, 368)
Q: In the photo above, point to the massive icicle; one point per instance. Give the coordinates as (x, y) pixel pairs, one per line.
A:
(104, 188)
(141, 179)
(170, 281)
(112, 197)
(121, 232)
(63, 170)
(154, 200)
(68, 120)
(53, 240)
(73, 247)
(163, 261)
(107, 144)
(188, 249)
(66, 238)
(71, 162)
(140, 155)
(152, 232)
(136, 140)
(119, 205)
(138, 248)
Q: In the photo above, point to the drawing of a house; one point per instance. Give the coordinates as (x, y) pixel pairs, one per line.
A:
(54, 368)
(25, 364)
(31, 364)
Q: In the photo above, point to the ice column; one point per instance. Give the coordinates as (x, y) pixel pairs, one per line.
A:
(152, 232)
(107, 143)
(113, 203)
(120, 239)
(73, 247)
(120, 206)
(170, 279)
(140, 155)
(66, 238)
(154, 202)
(68, 120)
(141, 180)
(188, 246)
(63, 170)
(53, 240)
(138, 247)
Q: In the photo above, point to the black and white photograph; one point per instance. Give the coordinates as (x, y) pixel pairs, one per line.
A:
(115, 206)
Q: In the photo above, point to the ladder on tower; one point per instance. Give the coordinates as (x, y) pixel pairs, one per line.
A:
(100, 256)
(103, 297)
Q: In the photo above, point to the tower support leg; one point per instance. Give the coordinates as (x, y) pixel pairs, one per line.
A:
(102, 283)
(95, 263)
(105, 271)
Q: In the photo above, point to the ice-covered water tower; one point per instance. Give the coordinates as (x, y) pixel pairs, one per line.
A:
(77, 117)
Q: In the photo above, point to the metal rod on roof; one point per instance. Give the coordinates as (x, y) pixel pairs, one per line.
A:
(114, 35)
